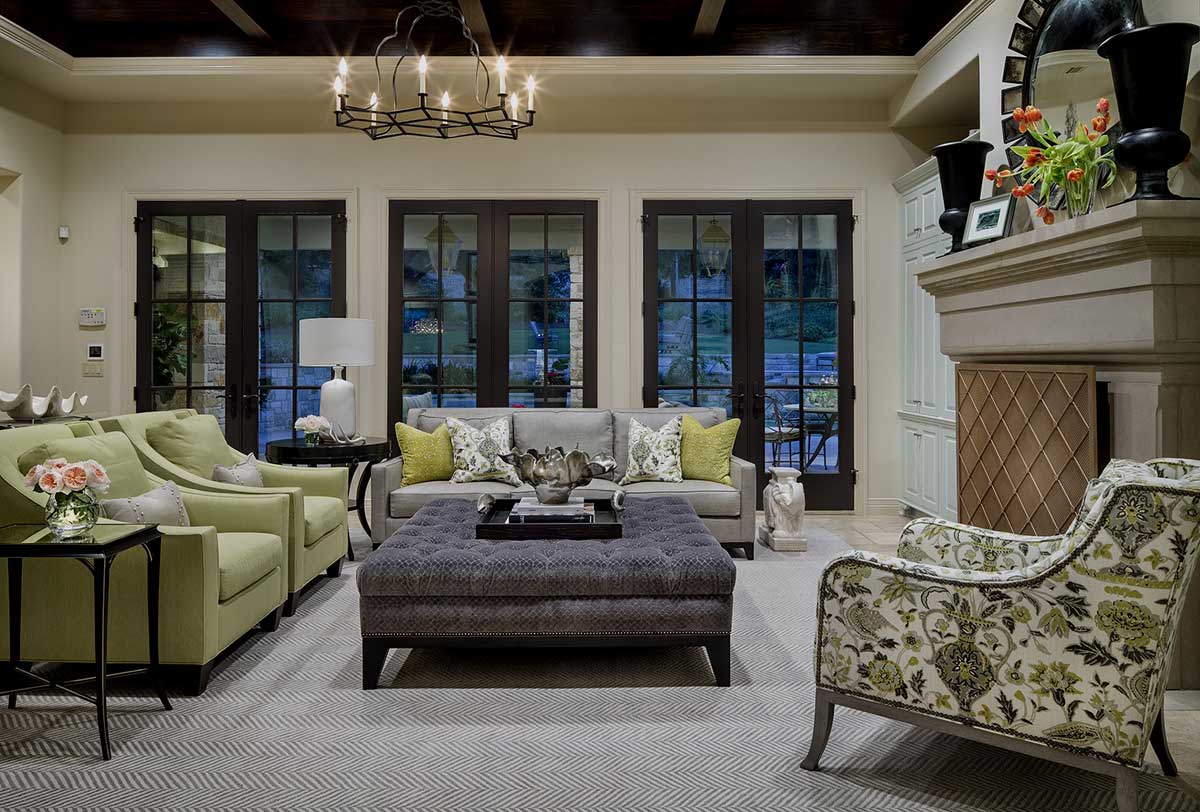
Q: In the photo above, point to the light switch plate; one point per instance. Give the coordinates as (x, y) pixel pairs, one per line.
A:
(93, 317)
(93, 369)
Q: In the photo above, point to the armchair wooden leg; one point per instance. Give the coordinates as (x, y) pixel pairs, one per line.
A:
(822, 724)
(335, 569)
(271, 622)
(1127, 794)
(1158, 740)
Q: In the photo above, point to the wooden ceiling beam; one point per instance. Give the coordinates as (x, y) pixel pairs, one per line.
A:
(709, 16)
(241, 18)
(477, 21)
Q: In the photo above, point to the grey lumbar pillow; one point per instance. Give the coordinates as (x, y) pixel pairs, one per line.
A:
(163, 505)
(243, 473)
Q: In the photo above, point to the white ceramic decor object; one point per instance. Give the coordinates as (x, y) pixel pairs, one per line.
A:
(783, 507)
(24, 405)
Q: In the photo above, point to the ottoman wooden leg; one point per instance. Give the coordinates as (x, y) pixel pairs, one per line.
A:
(718, 658)
(375, 654)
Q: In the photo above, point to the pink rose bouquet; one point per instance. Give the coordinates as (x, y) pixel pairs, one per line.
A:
(73, 487)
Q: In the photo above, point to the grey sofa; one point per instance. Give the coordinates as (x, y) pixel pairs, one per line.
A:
(727, 511)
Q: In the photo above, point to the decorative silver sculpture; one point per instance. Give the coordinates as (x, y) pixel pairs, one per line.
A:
(24, 405)
(554, 473)
(783, 508)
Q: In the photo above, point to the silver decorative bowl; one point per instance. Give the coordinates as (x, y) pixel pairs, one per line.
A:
(554, 474)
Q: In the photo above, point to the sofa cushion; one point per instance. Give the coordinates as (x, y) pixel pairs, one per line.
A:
(479, 452)
(427, 456)
(321, 515)
(429, 419)
(406, 501)
(194, 443)
(653, 419)
(244, 559)
(113, 451)
(704, 453)
(590, 431)
(706, 498)
(654, 454)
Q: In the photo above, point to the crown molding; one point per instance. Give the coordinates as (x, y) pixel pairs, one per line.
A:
(950, 30)
(31, 43)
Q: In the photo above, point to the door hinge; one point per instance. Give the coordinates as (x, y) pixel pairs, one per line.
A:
(853, 221)
(853, 308)
(137, 223)
(135, 396)
(854, 476)
(643, 219)
(342, 220)
(853, 392)
(135, 310)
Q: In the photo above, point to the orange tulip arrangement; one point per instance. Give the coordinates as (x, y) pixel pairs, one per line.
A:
(1071, 163)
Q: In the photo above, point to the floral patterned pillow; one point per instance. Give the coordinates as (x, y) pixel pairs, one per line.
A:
(654, 455)
(477, 452)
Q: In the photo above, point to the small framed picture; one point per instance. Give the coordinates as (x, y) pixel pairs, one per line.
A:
(989, 219)
(95, 352)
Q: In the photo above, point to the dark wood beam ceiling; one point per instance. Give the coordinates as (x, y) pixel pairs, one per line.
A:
(138, 28)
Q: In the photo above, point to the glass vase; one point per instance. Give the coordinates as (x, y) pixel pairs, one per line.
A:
(312, 437)
(71, 515)
(1081, 195)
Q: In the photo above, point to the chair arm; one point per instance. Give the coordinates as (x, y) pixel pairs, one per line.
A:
(189, 594)
(386, 476)
(257, 513)
(332, 481)
(963, 547)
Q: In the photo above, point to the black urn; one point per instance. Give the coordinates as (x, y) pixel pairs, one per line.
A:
(1149, 70)
(960, 167)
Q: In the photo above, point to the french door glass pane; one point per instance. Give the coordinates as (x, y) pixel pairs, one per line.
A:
(820, 256)
(820, 343)
(276, 351)
(440, 334)
(695, 309)
(275, 260)
(188, 328)
(314, 256)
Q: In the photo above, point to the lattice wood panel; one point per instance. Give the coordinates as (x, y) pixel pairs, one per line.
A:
(1026, 445)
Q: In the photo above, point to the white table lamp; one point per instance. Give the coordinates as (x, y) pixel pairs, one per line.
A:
(338, 343)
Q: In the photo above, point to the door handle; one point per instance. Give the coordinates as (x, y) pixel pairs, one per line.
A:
(739, 400)
(231, 400)
(760, 398)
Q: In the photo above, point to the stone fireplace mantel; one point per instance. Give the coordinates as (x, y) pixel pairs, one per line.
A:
(1118, 290)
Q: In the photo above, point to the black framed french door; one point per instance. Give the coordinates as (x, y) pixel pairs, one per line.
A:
(749, 305)
(222, 287)
(491, 303)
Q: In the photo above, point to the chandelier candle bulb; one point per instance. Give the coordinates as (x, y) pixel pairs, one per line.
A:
(344, 75)
(374, 107)
(501, 69)
(339, 101)
(529, 93)
(422, 67)
(445, 106)
(516, 107)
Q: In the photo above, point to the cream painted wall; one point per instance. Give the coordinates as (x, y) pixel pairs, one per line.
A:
(105, 174)
(31, 153)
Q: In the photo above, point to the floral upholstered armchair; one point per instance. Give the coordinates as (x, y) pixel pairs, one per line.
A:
(1055, 646)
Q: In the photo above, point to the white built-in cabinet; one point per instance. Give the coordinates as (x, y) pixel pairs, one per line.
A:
(926, 412)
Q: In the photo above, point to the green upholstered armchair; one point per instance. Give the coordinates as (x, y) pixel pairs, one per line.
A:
(220, 577)
(319, 531)
(1052, 646)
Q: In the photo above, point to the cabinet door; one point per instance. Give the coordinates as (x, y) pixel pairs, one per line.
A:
(913, 228)
(949, 472)
(912, 465)
(913, 340)
(931, 393)
(930, 448)
(931, 208)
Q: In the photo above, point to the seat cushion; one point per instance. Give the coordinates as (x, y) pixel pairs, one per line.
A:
(706, 498)
(244, 559)
(406, 501)
(321, 515)
(194, 443)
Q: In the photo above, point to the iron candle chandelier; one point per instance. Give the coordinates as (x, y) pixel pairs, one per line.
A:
(504, 119)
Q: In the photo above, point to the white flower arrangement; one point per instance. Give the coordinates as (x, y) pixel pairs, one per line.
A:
(312, 424)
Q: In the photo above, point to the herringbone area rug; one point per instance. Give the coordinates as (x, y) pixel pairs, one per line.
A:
(284, 725)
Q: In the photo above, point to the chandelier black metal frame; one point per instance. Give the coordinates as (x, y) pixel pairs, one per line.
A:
(500, 120)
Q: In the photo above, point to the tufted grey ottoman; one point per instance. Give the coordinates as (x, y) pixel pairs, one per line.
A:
(668, 582)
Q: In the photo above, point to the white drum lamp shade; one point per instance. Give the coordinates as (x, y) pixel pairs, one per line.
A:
(338, 343)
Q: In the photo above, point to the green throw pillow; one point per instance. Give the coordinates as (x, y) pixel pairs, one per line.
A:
(112, 450)
(196, 444)
(427, 457)
(705, 452)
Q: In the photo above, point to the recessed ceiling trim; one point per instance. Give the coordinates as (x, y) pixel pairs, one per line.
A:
(241, 18)
(33, 44)
(708, 17)
(951, 30)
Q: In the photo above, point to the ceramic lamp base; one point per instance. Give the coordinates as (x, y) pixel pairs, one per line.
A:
(338, 407)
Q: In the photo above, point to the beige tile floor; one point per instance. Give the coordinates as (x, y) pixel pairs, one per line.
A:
(881, 534)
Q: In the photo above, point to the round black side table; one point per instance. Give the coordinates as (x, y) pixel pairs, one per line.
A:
(296, 452)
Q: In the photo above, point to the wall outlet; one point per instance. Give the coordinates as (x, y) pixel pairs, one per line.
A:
(93, 369)
(93, 317)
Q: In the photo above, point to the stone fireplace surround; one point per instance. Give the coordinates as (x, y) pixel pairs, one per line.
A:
(1118, 289)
